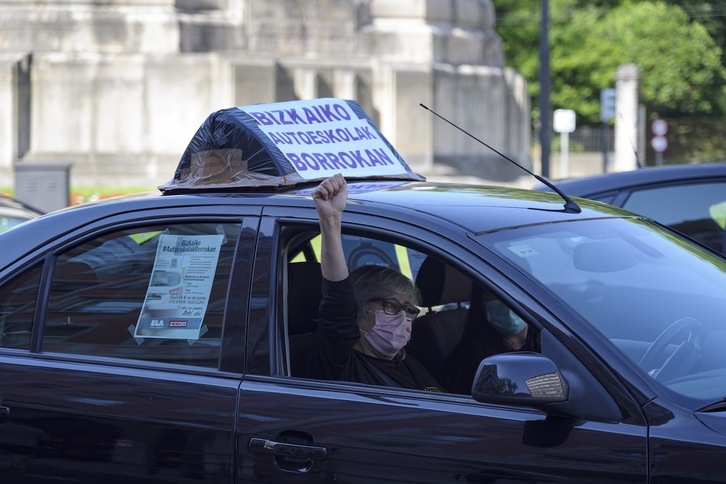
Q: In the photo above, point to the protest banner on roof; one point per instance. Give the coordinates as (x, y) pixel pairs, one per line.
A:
(284, 144)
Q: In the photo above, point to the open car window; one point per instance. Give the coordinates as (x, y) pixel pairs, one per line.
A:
(448, 337)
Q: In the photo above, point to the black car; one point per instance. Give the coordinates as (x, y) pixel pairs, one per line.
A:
(689, 198)
(14, 212)
(159, 337)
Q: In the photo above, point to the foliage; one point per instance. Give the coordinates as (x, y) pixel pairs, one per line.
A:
(680, 63)
(710, 144)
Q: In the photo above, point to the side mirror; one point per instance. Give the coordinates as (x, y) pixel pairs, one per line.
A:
(520, 378)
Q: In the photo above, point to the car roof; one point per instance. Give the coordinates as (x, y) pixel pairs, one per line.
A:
(459, 207)
(589, 185)
(475, 208)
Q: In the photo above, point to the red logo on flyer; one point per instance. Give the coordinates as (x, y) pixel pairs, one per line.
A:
(177, 323)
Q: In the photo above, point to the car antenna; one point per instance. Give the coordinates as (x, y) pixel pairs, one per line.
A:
(570, 205)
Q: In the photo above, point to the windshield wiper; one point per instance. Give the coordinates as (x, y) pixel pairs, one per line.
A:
(718, 406)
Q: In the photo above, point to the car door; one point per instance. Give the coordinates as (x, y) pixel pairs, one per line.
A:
(104, 379)
(300, 430)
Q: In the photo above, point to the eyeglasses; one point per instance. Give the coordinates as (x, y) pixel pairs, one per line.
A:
(391, 306)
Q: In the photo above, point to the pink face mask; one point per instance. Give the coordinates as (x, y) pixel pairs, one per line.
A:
(390, 333)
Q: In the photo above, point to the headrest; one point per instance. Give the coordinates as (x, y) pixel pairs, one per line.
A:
(74, 273)
(441, 284)
(304, 292)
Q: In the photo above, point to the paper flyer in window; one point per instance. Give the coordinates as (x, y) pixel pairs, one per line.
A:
(179, 287)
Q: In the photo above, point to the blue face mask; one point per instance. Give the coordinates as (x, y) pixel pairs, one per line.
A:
(503, 318)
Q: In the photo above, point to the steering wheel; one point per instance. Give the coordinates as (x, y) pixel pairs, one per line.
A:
(688, 331)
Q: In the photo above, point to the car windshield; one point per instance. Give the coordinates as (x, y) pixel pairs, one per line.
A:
(655, 296)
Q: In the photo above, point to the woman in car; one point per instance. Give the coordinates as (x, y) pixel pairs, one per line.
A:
(366, 315)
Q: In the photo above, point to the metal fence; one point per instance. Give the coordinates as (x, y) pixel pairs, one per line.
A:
(586, 138)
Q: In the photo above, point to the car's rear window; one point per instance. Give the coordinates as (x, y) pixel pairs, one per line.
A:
(153, 293)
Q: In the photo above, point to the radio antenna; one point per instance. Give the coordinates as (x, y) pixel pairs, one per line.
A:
(570, 205)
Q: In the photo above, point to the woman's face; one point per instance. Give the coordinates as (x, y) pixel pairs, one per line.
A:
(396, 302)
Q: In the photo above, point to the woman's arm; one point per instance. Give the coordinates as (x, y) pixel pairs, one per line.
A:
(330, 198)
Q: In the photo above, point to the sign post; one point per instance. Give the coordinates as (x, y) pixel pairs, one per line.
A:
(607, 113)
(659, 142)
(564, 123)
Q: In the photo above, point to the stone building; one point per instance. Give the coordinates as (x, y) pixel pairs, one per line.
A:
(117, 88)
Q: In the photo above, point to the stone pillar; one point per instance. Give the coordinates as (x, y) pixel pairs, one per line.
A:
(403, 121)
(447, 55)
(14, 110)
(626, 118)
(345, 84)
(254, 80)
(306, 83)
(119, 87)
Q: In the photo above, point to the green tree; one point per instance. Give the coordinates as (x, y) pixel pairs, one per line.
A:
(680, 63)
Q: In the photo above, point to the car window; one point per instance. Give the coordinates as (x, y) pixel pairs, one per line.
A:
(644, 289)
(607, 197)
(695, 214)
(153, 293)
(454, 331)
(17, 308)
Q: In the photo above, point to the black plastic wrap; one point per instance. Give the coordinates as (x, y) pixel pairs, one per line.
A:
(229, 150)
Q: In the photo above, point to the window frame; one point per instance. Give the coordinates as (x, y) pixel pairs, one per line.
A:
(246, 218)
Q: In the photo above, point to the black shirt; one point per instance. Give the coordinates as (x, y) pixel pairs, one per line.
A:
(333, 355)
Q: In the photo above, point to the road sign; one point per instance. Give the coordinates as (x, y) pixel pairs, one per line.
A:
(659, 143)
(659, 127)
(564, 120)
(607, 104)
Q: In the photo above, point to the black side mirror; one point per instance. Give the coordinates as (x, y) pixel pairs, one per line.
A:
(520, 378)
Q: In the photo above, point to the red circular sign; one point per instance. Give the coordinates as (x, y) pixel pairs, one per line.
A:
(659, 143)
(659, 127)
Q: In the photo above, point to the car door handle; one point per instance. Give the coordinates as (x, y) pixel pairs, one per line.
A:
(284, 449)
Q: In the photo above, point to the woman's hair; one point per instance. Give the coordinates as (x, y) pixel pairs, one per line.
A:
(370, 282)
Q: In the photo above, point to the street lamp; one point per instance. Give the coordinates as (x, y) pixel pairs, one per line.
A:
(544, 88)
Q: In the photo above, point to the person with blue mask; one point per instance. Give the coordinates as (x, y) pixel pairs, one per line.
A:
(491, 328)
(366, 315)
(510, 327)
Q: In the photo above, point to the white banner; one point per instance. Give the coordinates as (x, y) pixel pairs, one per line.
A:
(322, 137)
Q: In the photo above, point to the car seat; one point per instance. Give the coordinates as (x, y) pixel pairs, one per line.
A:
(446, 293)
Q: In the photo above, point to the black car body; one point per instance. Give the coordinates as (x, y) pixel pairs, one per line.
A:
(99, 386)
(690, 198)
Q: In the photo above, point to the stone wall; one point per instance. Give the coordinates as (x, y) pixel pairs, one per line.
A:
(118, 88)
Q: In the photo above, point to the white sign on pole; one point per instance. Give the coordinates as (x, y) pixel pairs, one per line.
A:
(564, 121)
